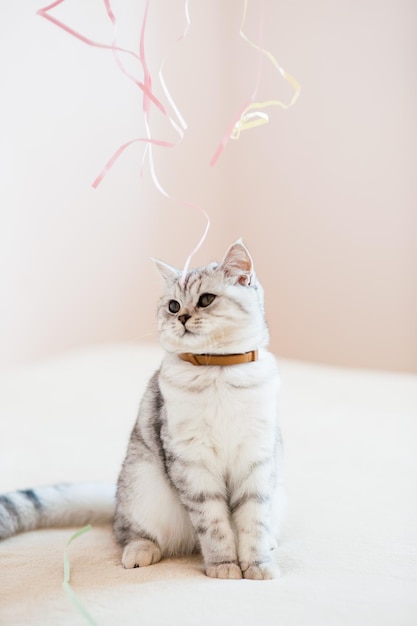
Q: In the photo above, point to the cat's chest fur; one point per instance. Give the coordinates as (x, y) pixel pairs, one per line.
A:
(220, 415)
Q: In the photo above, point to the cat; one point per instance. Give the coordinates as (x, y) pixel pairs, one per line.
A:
(203, 468)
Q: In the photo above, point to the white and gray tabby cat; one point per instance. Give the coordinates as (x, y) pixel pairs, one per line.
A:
(203, 465)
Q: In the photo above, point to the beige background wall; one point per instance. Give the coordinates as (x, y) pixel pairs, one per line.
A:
(324, 195)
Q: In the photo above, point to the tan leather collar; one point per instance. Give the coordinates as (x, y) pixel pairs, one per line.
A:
(219, 359)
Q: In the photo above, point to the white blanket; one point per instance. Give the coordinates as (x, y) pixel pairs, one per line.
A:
(348, 552)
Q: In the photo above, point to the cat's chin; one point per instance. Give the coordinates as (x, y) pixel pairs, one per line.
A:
(187, 343)
(182, 340)
(195, 345)
(217, 342)
(190, 342)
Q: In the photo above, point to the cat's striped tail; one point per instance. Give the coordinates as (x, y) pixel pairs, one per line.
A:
(56, 506)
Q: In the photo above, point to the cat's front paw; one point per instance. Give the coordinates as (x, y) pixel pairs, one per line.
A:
(260, 571)
(224, 570)
(140, 553)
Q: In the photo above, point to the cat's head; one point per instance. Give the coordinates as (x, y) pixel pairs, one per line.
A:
(216, 309)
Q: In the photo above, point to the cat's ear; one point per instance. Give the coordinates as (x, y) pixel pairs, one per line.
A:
(238, 264)
(168, 273)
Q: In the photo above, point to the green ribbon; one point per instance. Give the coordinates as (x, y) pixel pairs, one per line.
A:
(67, 577)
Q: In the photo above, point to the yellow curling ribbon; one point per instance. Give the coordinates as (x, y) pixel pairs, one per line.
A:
(249, 120)
(251, 115)
(67, 577)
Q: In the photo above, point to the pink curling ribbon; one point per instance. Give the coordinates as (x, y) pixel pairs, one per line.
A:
(250, 114)
(146, 100)
(148, 97)
(120, 150)
(44, 12)
(146, 86)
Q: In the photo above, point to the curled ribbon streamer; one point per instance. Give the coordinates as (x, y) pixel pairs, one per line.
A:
(44, 12)
(145, 106)
(67, 577)
(250, 116)
(148, 97)
(146, 86)
(199, 244)
(120, 150)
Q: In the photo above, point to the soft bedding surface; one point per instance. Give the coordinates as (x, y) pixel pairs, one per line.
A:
(348, 552)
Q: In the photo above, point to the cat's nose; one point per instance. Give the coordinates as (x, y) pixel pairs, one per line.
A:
(183, 318)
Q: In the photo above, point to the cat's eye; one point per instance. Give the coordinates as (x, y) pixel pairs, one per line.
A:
(174, 306)
(205, 299)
